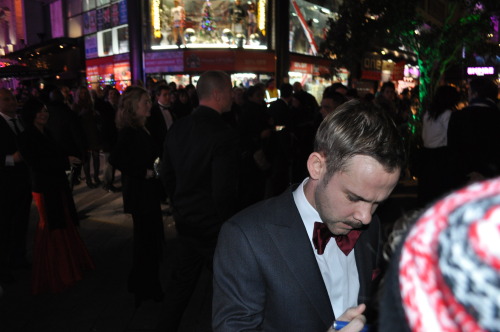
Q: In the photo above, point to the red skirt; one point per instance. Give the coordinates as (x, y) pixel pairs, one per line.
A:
(59, 255)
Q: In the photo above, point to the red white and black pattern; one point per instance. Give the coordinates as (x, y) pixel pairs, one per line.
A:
(450, 263)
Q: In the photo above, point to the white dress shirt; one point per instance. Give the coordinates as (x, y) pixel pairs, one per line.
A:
(339, 271)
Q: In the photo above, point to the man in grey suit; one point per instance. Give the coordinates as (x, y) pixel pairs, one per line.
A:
(271, 272)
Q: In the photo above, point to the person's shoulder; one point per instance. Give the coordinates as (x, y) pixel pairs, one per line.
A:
(264, 212)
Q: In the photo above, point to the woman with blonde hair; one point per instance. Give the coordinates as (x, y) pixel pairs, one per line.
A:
(134, 155)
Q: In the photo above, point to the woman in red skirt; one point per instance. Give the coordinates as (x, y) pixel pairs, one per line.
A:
(59, 254)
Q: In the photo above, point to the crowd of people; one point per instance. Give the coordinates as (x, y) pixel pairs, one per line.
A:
(256, 190)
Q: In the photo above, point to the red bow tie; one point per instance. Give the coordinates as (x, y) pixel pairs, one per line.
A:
(321, 236)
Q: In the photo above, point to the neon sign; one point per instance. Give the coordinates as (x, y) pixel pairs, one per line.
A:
(480, 71)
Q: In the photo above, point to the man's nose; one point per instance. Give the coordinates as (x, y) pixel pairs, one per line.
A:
(363, 213)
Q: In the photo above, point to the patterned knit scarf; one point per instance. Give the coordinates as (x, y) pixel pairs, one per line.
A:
(449, 269)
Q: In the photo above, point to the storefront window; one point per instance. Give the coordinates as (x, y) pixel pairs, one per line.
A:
(208, 24)
(244, 79)
(308, 24)
(109, 71)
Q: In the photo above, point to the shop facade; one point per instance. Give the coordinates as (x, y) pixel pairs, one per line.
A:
(105, 30)
(181, 39)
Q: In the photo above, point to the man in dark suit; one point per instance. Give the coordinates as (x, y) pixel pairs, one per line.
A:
(272, 271)
(15, 191)
(161, 116)
(200, 172)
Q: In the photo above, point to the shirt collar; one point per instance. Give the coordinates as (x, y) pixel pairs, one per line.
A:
(307, 212)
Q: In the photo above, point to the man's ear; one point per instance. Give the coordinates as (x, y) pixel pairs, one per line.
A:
(316, 165)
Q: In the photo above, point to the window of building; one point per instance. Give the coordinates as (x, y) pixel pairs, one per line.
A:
(74, 7)
(56, 19)
(101, 3)
(75, 25)
(121, 39)
(112, 41)
(208, 24)
(88, 5)
(105, 43)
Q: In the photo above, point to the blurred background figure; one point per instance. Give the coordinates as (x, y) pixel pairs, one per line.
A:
(255, 128)
(434, 178)
(474, 134)
(182, 105)
(107, 109)
(59, 254)
(90, 121)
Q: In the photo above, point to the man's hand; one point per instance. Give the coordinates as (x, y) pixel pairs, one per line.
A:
(356, 318)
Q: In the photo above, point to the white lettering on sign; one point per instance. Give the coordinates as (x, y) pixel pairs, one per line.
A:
(480, 71)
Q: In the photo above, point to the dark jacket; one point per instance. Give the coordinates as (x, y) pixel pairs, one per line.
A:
(200, 170)
(48, 165)
(65, 129)
(474, 140)
(266, 277)
(134, 153)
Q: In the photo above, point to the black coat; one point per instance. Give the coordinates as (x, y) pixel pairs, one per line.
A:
(474, 140)
(134, 153)
(48, 165)
(200, 170)
(65, 129)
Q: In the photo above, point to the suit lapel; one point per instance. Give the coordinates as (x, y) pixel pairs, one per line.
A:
(290, 237)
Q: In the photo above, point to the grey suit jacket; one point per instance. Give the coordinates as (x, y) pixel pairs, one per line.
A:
(266, 276)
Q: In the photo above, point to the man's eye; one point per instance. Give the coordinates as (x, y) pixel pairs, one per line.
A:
(353, 199)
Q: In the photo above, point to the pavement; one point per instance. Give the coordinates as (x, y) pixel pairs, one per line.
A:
(101, 302)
